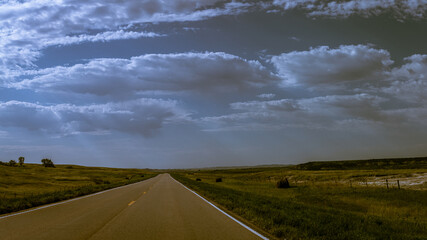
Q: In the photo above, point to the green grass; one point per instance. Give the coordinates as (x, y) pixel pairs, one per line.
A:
(34, 185)
(321, 204)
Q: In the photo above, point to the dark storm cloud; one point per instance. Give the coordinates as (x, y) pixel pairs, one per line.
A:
(154, 72)
(142, 116)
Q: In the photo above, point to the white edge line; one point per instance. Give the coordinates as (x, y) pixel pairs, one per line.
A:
(226, 214)
(66, 201)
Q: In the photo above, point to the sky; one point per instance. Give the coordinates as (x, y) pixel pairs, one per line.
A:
(202, 83)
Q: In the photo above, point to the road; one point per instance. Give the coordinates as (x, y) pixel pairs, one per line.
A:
(157, 208)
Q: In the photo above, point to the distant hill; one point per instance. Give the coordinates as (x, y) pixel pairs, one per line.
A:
(386, 163)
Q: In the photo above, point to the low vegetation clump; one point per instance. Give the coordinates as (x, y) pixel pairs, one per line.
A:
(322, 204)
(218, 180)
(35, 185)
(11, 163)
(47, 162)
(283, 183)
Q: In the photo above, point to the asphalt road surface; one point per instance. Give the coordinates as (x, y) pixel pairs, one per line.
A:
(157, 208)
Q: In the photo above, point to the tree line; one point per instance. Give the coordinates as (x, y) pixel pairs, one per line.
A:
(46, 162)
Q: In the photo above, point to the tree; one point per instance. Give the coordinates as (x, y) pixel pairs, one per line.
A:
(12, 163)
(47, 162)
(21, 161)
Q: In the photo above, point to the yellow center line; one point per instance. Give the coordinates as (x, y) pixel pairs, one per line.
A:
(131, 203)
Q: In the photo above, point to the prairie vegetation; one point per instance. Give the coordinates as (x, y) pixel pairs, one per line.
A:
(33, 185)
(352, 203)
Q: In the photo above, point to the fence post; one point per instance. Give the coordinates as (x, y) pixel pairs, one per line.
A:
(386, 181)
(398, 184)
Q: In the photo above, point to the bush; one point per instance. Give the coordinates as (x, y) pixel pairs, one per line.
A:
(283, 183)
(12, 163)
(218, 180)
(47, 162)
(198, 179)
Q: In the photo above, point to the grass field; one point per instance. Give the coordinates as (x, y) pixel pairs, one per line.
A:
(323, 204)
(34, 185)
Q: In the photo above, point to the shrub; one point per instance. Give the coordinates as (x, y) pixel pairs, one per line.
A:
(283, 183)
(198, 179)
(47, 162)
(12, 163)
(218, 180)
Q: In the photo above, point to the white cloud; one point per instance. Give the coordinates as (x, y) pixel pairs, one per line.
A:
(401, 9)
(153, 72)
(388, 98)
(100, 37)
(409, 81)
(142, 116)
(286, 105)
(266, 95)
(28, 27)
(323, 67)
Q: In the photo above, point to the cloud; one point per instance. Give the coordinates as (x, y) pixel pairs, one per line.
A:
(339, 107)
(414, 116)
(65, 17)
(324, 112)
(30, 26)
(100, 37)
(364, 93)
(400, 9)
(409, 81)
(202, 72)
(142, 116)
(286, 105)
(266, 95)
(323, 67)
